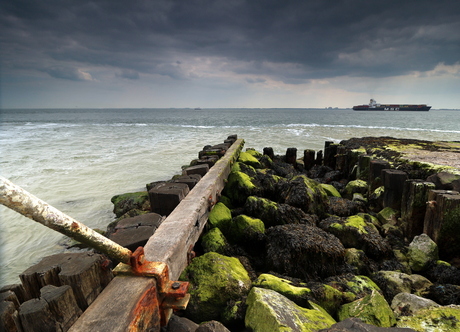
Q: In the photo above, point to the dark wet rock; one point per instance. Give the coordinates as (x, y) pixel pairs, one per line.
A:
(357, 325)
(303, 251)
(283, 169)
(273, 213)
(443, 273)
(445, 180)
(358, 261)
(307, 195)
(129, 201)
(181, 324)
(358, 232)
(444, 294)
(319, 171)
(212, 326)
(343, 207)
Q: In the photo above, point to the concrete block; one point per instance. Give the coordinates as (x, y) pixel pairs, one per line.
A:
(197, 169)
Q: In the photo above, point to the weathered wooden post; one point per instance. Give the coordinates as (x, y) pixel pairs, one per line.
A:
(393, 181)
(269, 152)
(309, 158)
(330, 151)
(291, 156)
(375, 169)
(413, 206)
(442, 221)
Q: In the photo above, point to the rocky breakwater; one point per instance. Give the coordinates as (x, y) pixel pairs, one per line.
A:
(359, 236)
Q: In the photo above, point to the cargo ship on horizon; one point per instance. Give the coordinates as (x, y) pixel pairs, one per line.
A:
(374, 106)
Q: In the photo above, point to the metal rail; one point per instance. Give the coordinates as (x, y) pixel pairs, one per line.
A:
(20, 200)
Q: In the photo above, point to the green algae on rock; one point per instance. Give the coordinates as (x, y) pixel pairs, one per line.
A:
(214, 280)
(422, 251)
(355, 186)
(271, 311)
(439, 319)
(129, 201)
(298, 294)
(307, 194)
(273, 213)
(214, 241)
(239, 186)
(357, 232)
(249, 159)
(330, 190)
(371, 309)
(244, 228)
(220, 216)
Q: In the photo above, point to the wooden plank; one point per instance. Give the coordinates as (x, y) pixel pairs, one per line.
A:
(113, 310)
(117, 307)
(182, 228)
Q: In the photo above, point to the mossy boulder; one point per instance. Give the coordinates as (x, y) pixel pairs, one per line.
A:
(129, 201)
(214, 280)
(371, 309)
(355, 186)
(327, 297)
(297, 293)
(357, 260)
(330, 190)
(388, 216)
(215, 241)
(359, 232)
(438, 319)
(306, 194)
(244, 228)
(406, 304)
(240, 185)
(395, 282)
(249, 159)
(271, 311)
(220, 216)
(303, 251)
(422, 251)
(361, 286)
(273, 213)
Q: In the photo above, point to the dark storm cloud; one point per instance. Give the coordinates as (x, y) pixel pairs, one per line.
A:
(290, 41)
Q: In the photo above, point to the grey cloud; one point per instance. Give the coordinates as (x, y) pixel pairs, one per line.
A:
(301, 39)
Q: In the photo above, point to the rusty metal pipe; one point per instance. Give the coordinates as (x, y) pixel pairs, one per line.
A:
(34, 208)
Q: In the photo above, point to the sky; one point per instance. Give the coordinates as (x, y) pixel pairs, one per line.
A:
(228, 53)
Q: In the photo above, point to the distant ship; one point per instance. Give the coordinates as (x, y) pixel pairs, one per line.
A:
(374, 106)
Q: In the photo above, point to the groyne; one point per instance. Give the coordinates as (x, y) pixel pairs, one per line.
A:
(319, 232)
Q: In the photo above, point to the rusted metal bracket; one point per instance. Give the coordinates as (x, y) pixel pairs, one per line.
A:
(171, 295)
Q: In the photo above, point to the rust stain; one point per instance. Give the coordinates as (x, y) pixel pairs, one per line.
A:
(146, 314)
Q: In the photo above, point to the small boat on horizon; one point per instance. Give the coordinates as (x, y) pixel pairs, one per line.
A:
(374, 106)
(197, 108)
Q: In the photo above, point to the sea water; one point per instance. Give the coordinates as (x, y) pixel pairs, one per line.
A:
(77, 159)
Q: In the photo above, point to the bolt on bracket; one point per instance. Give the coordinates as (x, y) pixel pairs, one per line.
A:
(172, 295)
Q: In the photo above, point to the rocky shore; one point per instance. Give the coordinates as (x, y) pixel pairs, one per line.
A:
(360, 236)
